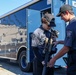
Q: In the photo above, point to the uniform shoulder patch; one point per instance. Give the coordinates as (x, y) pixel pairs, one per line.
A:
(69, 33)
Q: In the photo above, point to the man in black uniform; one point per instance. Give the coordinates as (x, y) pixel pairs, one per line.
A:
(40, 35)
(66, 13)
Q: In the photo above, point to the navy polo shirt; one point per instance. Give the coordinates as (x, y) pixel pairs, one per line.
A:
(70, 39)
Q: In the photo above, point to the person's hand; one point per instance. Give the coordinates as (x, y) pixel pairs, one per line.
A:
(43, 63)
(51, 62)
(58, 42)
(55, 43)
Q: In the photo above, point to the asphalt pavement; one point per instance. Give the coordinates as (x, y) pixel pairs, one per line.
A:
(9, 68)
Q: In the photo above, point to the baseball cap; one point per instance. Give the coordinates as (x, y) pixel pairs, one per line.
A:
(64, 8)
(50, 18)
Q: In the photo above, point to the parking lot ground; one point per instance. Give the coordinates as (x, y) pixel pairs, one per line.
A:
(61, 71)
(8, 68)
(5, 72)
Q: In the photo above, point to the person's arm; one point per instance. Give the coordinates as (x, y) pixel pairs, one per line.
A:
(60, 42)
(34, 45)
(63, 51)
(39, 37)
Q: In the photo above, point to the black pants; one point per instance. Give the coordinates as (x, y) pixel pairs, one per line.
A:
(71, 70)
(38, 67)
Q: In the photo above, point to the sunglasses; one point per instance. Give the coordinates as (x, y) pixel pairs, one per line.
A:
(49, 25)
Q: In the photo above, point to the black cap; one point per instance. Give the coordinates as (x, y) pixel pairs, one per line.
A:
(64, 8)
(50, 18)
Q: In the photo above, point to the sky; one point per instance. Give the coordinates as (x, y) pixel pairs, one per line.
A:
(8, 5)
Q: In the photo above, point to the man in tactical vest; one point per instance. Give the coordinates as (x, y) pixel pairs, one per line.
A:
(40, 35)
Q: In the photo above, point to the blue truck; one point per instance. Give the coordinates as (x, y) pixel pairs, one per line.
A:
(17, 26)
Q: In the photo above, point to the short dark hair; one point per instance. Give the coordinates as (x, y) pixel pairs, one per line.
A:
(71, 12)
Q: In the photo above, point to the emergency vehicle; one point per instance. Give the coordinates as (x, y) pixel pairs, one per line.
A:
(17, 26)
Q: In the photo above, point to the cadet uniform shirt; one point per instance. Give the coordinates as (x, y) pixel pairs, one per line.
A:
(70, 39)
